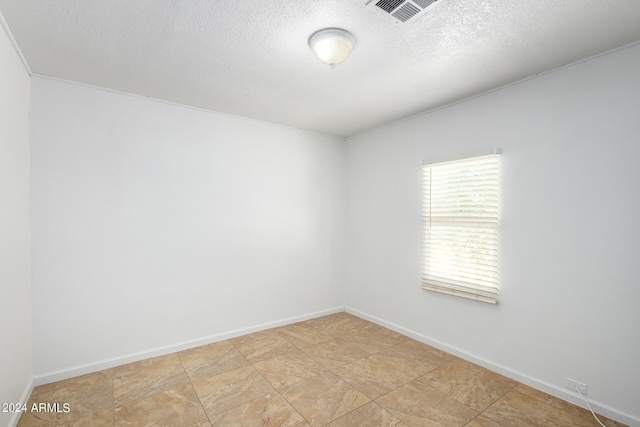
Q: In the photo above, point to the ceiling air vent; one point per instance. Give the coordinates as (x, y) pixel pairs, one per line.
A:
(401, 10)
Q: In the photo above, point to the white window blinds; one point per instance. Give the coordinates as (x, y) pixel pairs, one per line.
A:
(461, 228)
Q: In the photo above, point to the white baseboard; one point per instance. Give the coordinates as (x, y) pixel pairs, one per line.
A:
(26, 394)
(64, 374)
(544, 386)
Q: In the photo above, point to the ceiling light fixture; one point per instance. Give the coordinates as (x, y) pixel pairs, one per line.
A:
(332, 45)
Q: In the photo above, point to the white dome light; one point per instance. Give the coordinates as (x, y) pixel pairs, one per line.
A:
(332, 45)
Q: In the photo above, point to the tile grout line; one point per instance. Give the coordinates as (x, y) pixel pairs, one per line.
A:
(259, 373)
(269, 382)
(193, 388)
(371, 400)
(328, 370)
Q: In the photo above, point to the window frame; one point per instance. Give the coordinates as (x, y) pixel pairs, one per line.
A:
(461, 222)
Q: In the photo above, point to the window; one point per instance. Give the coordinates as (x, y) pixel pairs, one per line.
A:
(460, 218)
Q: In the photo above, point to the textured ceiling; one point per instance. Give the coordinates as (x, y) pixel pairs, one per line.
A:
(251, 58)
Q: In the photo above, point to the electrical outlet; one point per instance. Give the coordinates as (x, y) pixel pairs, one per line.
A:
(572, 384)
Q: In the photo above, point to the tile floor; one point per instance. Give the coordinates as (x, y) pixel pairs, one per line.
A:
(334, 371)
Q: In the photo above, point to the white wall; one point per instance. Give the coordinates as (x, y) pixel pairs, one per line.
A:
(15, 241)
(156, 225)
(570, 255)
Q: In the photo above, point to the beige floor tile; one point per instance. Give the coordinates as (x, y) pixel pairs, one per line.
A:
(482, 421)
(371, 415)
(335, 353)
(289, 368)
(575, 415)
(419, 404)
(85, 395)
(526, 406)
(27, 419)
(99, 419)
(270, 410)
(146, 377)
(373, 338)
(262, 345)
(302, 335)
(414, 357)
(469, 384)
(373, 377)
(346, 327)
(405, 364)
(339, 324)
(324, 322)
(225, 391)
(212, 359)
(508, 413)
(323, 398)
(610, 423)
(175, 407)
